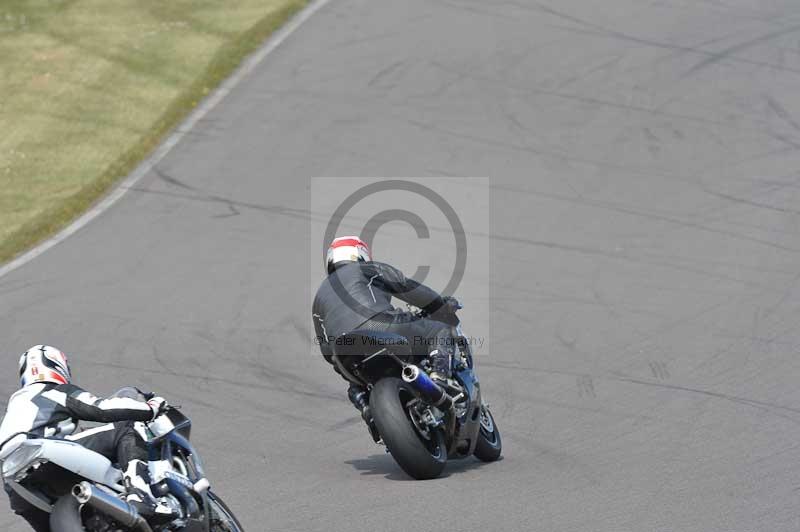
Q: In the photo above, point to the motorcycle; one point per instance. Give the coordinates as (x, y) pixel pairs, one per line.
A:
(422, 422)
(83, 491)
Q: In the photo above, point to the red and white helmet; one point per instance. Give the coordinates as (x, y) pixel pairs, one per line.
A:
(42, 363)
(347, 249)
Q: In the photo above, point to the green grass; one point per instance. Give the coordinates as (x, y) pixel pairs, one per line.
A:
(89, 87)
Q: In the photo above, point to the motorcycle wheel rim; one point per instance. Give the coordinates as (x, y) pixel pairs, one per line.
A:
(427, 437)
(487, 426)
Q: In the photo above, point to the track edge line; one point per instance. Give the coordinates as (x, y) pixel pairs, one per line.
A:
(174, 138)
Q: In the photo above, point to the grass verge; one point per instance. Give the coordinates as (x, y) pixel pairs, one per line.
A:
(90, 87)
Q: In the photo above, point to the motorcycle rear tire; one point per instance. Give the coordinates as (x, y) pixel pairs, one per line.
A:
(421, 458)
(66, 515)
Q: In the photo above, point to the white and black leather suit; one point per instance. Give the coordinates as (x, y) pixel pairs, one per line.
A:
(47, 410)
(357, 295)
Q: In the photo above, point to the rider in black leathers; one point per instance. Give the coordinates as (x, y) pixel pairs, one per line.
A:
(357, 294)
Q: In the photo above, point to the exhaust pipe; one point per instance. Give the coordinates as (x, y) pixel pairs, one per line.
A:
(429, 390)
(105, 503)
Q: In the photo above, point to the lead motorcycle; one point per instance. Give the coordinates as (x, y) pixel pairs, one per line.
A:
(422, 423)
(83, 492)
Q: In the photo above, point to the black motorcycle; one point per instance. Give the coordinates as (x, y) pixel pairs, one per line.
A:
(422, 422)
(83, 491)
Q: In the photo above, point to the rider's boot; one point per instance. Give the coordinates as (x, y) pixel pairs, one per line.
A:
(359, 396)
(140, 497)
(440, 363)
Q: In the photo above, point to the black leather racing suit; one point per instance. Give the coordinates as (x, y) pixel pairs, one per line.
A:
(357, 295)
(53, 411)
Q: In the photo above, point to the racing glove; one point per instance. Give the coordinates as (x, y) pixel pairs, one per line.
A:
(158, 405)
(446, 313)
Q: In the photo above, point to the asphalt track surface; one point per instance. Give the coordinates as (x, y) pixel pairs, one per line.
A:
(645, 298)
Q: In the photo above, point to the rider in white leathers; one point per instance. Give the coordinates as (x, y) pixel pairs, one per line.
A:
(48, 405)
